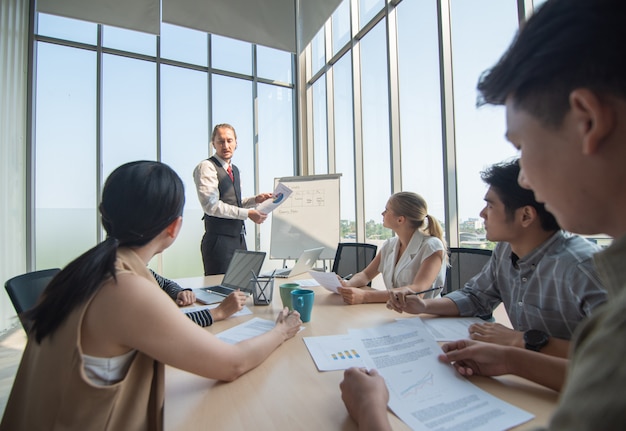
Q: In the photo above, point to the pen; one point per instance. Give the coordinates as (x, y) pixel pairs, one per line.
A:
(425, 291)
(347, 277)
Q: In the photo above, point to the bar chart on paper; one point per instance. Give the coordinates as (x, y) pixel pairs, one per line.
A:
(334, 352)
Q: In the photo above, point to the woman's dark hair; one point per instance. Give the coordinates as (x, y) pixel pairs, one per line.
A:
(139, 200)
(502, 178)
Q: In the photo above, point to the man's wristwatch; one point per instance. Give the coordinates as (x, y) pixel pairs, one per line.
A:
(534, 339)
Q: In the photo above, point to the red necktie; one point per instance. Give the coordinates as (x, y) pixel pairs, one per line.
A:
(230, 173)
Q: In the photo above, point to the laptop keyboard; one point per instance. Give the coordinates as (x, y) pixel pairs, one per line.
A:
(221, 289)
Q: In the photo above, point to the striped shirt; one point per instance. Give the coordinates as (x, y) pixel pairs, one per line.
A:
(202, 317)
(551, 289)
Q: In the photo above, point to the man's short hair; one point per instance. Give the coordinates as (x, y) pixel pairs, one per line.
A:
(566, 44)
(502, 178)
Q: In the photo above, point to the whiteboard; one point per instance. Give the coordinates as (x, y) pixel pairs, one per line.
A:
(309, 218)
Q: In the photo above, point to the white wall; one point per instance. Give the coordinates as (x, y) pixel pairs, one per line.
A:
(13, 84)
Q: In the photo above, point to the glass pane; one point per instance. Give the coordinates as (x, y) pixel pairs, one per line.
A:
(184, 44)
(67, 28)
(231, 55)
(318, 53)
(276, 143)
(274, 64)
(376, 145)
(184, 138)
(128, 40)
(65, 152)
(320, 139)
(367, 10)
(341, 26)
(491, 25)
(128, 111)
(344, 144)
(231, 102)
(420, 103)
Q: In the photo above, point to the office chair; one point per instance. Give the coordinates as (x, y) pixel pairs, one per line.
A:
(24, 290)
(464, 264)
(353, 257)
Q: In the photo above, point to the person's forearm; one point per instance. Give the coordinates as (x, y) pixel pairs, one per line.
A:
(357, 280)
(374, 419)
(441, 307)
(374, 296)
(557, 347)
(544, 369)
(253, 352)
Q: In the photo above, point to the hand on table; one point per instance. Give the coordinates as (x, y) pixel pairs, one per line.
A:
(185, 297)
(366, 396)
(496, 333)
(471, 357)
(233, 303)
(288, 322)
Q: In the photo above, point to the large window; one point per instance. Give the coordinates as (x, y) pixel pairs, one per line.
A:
(99, 106)
(480, 142)
(404, 106)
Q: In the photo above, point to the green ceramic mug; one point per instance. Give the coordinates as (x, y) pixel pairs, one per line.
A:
(285, 293)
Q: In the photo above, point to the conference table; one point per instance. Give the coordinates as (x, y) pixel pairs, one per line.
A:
(288, 392)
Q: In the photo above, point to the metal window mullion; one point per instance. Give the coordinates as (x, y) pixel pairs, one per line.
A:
(99, 146)
(255, 140)
(394, 101)
(330, 105)
(450, 178)
(31, 89)
(358, 130)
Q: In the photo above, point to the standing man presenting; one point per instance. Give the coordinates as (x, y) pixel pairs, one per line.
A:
(219, 191)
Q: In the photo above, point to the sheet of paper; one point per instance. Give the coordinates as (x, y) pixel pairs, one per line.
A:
(307, 282)
(328, 280)
(243, 312)
(251, 328)
(447, 328)
(281, 193)
(334, 352)
(425, 393)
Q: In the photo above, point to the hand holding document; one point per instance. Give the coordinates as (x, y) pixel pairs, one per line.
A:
(280, 195)
(327, 280)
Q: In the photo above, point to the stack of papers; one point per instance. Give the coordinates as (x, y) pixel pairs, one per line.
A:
(423, 392)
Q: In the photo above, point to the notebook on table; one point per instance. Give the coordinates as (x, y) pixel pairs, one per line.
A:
(304, 263)
(240, 270)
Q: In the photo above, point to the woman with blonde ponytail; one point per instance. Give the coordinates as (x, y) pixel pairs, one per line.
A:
(412, 261)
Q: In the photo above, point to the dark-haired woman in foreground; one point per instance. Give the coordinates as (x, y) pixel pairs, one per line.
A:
(104, 328)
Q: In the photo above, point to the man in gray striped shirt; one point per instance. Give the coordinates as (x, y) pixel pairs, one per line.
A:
(544, 276)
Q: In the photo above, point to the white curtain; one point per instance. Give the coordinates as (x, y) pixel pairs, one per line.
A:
(13, 84)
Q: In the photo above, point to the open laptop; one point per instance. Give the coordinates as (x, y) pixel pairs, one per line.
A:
(240, 269)
(304, 263)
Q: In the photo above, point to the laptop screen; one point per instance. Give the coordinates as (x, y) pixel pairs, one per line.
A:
(241, 267)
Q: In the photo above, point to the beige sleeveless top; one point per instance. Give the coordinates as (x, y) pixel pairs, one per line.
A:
(52, 392)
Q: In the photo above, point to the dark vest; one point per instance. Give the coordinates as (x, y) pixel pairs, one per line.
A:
(230, 193)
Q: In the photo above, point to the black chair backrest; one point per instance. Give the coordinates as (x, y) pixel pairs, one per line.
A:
(353, 257)
(24, 290)
(464, 264)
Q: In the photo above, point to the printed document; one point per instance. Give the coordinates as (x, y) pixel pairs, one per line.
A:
(425, 393)
(334, 352)
(280, 195)
(328, 280)
(447, 328)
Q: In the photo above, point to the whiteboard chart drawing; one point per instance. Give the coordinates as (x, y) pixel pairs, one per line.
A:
(309, 218)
